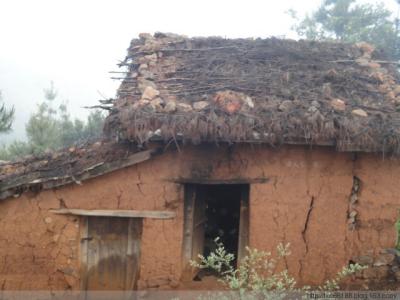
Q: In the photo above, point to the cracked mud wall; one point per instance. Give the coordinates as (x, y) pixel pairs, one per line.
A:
(379, 201)
(38, 249)
(306, 205)
(304, 201)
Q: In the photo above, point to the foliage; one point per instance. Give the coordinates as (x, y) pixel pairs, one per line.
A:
(6, 117)
(14, 150)
(258, 271)
(349, 21)
(52, 127)
(94, 124)
(42, 128)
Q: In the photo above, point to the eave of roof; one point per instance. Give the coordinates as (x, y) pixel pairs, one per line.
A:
(40, 173)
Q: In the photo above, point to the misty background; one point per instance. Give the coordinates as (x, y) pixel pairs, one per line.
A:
(76, 43)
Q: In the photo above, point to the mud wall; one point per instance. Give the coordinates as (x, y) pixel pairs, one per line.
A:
(305, 201)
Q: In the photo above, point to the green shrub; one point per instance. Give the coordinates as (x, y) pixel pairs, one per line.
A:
(257, 271)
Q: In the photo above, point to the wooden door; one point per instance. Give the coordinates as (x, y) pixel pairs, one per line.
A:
(199, 221)
(194, 222)
(111, 250)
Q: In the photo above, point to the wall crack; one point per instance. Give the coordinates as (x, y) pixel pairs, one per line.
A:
(352, 213)
(304, 233)
(306, 223)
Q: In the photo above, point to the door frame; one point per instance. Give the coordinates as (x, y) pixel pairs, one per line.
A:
(190, 191)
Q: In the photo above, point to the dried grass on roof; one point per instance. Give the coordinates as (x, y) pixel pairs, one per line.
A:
(264, 90)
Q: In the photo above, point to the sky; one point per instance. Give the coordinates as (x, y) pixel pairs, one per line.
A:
(76, 43)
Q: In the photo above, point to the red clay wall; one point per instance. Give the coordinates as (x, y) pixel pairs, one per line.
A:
(305, 202)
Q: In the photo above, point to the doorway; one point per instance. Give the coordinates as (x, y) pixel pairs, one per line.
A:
(222, 215)
(211, 211)
(110, 253)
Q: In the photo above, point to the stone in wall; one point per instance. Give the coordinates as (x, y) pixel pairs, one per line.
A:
(383, 268)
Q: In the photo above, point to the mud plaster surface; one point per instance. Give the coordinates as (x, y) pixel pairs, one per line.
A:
(304, 202)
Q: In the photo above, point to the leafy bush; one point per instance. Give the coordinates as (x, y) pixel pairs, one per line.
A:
(257, 271)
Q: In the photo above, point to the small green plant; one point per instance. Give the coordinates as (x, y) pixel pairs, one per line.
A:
(257, 271)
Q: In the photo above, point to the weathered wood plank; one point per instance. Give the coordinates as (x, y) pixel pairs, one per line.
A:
(187, 245)
(301, 142)
(244, 224)
(152, 214)
(133, 254)
(107, 254)
(199, 221)
(84, 235)
(221, 181)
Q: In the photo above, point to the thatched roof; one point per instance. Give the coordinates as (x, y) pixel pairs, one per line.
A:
(258, 90)
(220, 90)
(67, 166)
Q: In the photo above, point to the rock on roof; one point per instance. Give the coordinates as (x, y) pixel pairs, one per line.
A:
(258, 90)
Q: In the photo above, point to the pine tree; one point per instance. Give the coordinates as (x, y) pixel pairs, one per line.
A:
(51, 128)
(6, 117)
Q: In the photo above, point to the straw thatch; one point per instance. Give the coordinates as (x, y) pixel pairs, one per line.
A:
(257, 90)
(66, 166)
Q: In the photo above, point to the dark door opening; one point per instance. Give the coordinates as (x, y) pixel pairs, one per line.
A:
(222, 215)
(211, 211)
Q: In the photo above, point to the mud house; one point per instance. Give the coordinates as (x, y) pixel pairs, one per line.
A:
(255, 141)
